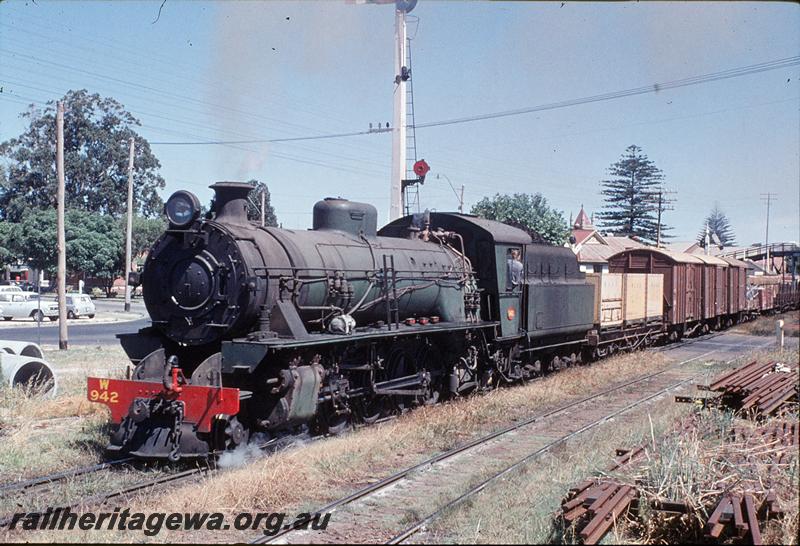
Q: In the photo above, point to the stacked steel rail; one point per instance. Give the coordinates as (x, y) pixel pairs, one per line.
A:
(756, 389)
(764, 388)
(600, 502)
(594, 506)
(737, 513)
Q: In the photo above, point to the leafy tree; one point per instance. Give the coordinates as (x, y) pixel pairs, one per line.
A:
(145, 233)
(527, 211)
(96, 147)
(718, 226)
(7, 252)
(34, 239)
(254, 204)
(631, 197)
(95, 245)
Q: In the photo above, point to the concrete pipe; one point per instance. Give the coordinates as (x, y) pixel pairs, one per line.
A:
(22, 348)
(29, 373)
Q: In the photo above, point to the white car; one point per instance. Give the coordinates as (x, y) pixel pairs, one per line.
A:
(18, 305)
(79, 305)
(10, 288)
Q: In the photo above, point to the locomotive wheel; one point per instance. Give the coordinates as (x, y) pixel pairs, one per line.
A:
(371, 410)
(400, 363)
(429, 358)
(229, 433)
(403, 360)
(336, 424)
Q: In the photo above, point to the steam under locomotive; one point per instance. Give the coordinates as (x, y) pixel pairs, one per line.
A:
(260, 329)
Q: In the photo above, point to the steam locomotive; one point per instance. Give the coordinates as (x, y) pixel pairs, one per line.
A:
(261, 329)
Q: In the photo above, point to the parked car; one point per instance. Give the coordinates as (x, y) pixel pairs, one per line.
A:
(10, 288)
(19, 305)
(79, 305)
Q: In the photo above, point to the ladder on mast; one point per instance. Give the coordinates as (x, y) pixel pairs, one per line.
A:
(411, 190)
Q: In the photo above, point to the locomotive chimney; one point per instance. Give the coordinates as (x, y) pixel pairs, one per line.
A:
(230, 201)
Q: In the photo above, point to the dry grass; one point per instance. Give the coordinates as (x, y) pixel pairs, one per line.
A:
(696, 468)
(308, 475)
(43, 435)
(520, 509)
(765, 325)
(329, 465)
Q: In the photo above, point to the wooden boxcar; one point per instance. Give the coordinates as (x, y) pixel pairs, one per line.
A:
(714, 289)
(737, 288)
(764, 289)
(683, 281)
(627, 299)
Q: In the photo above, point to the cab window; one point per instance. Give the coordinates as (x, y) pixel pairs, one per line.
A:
(514, 269)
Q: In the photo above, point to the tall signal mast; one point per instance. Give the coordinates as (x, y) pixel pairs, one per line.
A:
(399, 128)
(400, 123)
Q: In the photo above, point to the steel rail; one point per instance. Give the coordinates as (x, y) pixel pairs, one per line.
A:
(385, 482)
(480, 487)
(103, 497)
(59, 476)
(399, 538)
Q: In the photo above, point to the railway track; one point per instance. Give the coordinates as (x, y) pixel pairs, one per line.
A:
(208, 467)
(521, 442)
(50, 479)
(205, 468)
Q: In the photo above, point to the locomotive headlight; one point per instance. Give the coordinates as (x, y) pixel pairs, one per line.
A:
(182, 208)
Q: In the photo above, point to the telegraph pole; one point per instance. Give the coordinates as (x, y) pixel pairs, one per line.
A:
(662, 206)
(658, 230)
(129, 230)
(767, 197)
(63, 343)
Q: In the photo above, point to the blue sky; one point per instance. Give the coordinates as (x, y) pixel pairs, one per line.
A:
(235, 70)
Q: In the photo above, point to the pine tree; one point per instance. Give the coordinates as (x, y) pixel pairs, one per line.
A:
(719, 226)
(631, 197)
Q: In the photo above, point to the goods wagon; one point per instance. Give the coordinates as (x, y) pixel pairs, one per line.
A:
(626, 299)
(788, 296)
(736, 282)
(683, 282)
(763, 291)
(714, 299)
(772, 293)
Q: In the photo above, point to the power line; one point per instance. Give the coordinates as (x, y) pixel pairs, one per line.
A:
(268, 140)
(653, 88)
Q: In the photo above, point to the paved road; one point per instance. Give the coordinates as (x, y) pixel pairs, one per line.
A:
(78, 334)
